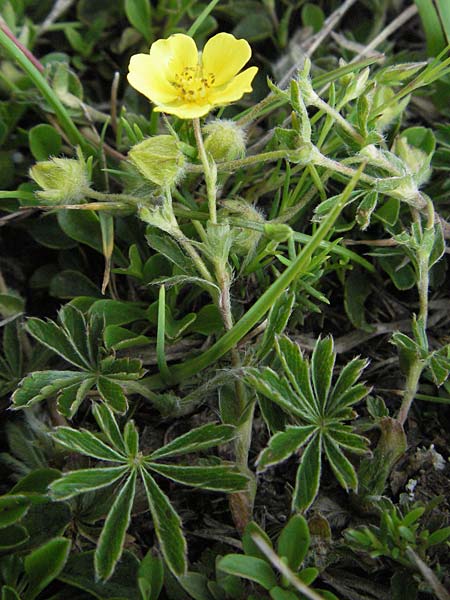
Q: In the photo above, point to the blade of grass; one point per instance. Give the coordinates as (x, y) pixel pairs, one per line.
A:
(201, 17)
(16, 54)
(161, 333)
(443, 7)
(432, 26)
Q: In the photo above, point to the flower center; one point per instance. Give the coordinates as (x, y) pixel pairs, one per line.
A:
(193, 84)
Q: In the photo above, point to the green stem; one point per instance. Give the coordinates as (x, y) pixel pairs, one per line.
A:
(234, 165)
(178, 234)
(197, 259)
(8, 44)
(423, 284)
(209, 170)
(304, 238)
(411, 387)
(231, 338)
(17, 195)
(317, 101)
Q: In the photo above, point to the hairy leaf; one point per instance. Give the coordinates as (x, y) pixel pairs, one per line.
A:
(283, 444)
(112, 394)
(85, 442)
(267, 382)
(45, 564)
(218, 478)
(167, 525)
(52, 336)
(43, 384)
(322, 364)
(342, 467)
(73, 483)
(201, 438)
(108, 424)
(308, 475)
(110, 544)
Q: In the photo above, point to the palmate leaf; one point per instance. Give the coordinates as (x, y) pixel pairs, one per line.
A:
(110, 544)
(307, 394)
(79, 342)
(167, 525)
(283, 444)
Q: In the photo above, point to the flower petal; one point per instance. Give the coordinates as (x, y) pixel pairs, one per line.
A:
(224, 56)
(238, 86)
(185, 111)
(146, 76)
(174, 54)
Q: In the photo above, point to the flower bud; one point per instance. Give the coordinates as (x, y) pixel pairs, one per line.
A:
(277, 232)
(63, 180)
(225, 140)
(159, 159)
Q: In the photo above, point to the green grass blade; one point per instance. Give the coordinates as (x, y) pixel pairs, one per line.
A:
(48, 94)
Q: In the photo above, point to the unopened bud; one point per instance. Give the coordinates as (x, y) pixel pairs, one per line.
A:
(159, 159)
(63, 180)
(225, 140)
(278, 232)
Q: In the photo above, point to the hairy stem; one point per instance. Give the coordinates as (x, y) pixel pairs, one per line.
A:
(241, 503)
(209, 171)
(423, 282)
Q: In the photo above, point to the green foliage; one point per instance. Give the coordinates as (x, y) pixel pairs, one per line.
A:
(122, 450)
(79, 342)
(291, 550)
(317, 203)
(25, 579)
(319, 410)
(397, 532)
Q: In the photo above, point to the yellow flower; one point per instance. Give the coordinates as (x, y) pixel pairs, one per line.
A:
(187, 83)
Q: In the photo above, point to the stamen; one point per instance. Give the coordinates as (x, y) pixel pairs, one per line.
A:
(193, 84)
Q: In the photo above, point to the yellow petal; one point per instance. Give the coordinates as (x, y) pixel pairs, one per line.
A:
(224, 56)
(146, 76)
(185, 111)
(238, 86)
(175, 53)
